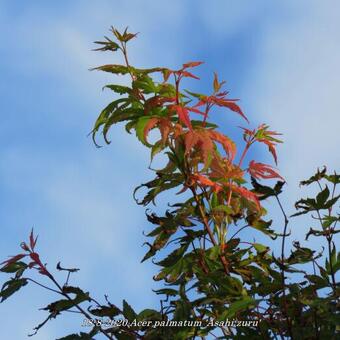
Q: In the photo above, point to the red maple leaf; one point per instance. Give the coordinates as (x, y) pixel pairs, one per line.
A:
(205, 181)
(183, 115)
(192, 64)
(260, 170)
(263, 135)
(247, 194)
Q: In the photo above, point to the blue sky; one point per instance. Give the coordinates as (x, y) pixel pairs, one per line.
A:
(280, 58)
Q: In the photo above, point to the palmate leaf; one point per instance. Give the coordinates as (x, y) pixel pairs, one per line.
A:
(260, 170)
(145, 83)
(315, 178)
(123, 70)
(318, 281)
(82, 335)
(260, 248)
(335, 179)
(202, 159)
(261, 225)
(160, 184)
(322, 197)
(174, 257)
(120, 89)
(116, 69)
(266, 191)
(10, 287)
(56, 307)
(143, 126)
(320, 203)
(14, 267)
(166, 291)
(107, 45)
(149, 314)
(301, 255)
(168, 225)
(128, 312)
(183, 115)
(237, 307)
(109, 110)
(109, 311)
(172, 273)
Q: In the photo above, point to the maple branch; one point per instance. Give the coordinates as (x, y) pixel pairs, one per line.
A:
(177, 80)
(286, 221)
(314, 310)
(329, 243)
(43, 286)
(80, 309)
(245, 226)
(239, 164)
(207, 109)
(208, 229)
(124, 50)
(329, 238)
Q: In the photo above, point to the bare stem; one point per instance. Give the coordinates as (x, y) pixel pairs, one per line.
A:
(43, 286)
(286, 221)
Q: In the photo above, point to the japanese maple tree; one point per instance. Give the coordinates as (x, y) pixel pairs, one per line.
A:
(211, 274)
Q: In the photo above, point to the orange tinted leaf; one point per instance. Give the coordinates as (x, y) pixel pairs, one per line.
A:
(263, 135)
(191, 138)
(222, 168)
(157, 101)
(129, 36)
(217, 85)
(260, 170)
(164, 127)
(230, 104)
(202, 142)
(205, 181)
(227, 144)
(202, 102)
(33, 240)
(271, 147)
(178, 130)
(184, 188)
(272, 150)
(221, 101)
(188, 74)
(149, 126)
(183, 115)
(166, 74)
(193, 109)
(245, 193)
(207, 148)
(192, 64)
(13, 259)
